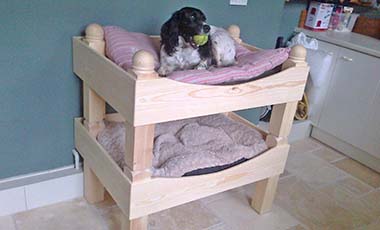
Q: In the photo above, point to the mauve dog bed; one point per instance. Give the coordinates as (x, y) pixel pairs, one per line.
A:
(192, 146)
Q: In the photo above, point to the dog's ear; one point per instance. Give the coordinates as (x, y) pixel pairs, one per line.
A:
(170, 33)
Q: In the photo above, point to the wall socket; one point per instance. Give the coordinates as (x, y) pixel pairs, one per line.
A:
(239, 2)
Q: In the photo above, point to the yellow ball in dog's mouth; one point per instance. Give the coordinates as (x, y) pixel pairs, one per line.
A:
(200, 39)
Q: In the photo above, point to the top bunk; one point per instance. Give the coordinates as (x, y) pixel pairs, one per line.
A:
(142, 97)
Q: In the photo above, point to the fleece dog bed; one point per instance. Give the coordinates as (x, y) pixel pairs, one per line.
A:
(191, 146)
(121, 45)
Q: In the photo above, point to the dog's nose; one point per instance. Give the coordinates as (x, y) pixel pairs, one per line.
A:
(206, 28)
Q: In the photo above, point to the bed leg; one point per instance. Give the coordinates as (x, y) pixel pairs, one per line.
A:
(282, 119)
(279, 128)
(265, 191)
(93, 189)
(136, 224)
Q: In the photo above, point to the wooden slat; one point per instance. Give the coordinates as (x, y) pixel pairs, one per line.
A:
(161, 193)
(171, 100)
(108, 172)
(111, 82)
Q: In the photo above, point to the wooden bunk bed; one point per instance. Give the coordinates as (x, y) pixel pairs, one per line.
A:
(143, 99)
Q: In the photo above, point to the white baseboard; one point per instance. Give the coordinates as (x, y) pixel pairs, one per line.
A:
(300, 130)
(31, 191)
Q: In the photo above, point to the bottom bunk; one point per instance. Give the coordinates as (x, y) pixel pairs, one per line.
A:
(190, 147)
(153, 194)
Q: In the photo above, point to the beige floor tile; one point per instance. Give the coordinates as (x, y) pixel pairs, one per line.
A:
(372, 201)
(112, 217)
(361, 214)
(298, 227)
(285, 174)
(237, 214)
(375, 225)
(221, 195)
(191, 216)
(305, 145)
(76, 215)
(221, 226)
(7, 223)
(328, 154)
(359, 171)
(314, 209)
(354, 186)
(313, 170)
(108, 202)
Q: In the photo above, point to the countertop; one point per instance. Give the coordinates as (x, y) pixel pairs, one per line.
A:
(348, 40)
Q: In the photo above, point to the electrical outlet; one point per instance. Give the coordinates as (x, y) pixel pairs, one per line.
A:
(239, 2)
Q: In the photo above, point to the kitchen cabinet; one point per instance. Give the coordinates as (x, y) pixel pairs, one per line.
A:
(348, 106)
(348, 116)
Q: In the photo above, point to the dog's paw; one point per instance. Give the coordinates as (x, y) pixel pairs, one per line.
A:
(163, 72)
(202, 66)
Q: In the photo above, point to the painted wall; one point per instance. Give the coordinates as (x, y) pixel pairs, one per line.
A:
(290, 17)
(39, 93)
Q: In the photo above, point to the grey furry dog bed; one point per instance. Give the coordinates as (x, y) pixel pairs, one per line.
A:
(188, 145)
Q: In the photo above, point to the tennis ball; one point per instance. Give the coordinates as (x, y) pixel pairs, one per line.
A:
(200, 39)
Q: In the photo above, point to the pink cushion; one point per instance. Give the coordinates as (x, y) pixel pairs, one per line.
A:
(249, 65)
(121, 45)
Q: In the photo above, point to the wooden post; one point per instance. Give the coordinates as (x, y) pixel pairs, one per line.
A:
(93, 105)
(234, 31)
(297, 57)
(143, 65)
(138, 151)
(93, 112)
(279, 128)
(139, 140)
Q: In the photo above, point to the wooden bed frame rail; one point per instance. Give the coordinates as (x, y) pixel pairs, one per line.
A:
(143, 99)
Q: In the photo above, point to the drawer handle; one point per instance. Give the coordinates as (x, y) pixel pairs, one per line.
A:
(347, 58)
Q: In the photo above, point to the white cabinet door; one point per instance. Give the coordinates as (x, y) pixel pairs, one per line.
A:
(317, 94)
(348, 108)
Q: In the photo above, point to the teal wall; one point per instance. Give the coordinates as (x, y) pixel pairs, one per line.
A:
(39, 93)
(290, 17)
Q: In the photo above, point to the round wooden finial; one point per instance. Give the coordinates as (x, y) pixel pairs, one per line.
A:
(298, 53)
(143, 62)
(94, 32)
(234, 31)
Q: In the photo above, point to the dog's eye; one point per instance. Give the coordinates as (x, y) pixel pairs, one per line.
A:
(192, 17)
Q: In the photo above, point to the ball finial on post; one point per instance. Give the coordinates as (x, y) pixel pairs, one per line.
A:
(143, 64)
(298, 53)
(94, 32)
(297, 57)
(234, 31)
(95, 37)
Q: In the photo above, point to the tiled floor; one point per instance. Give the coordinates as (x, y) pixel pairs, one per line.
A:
(320, 189)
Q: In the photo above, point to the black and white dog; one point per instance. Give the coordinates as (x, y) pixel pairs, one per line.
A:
(180, 52)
